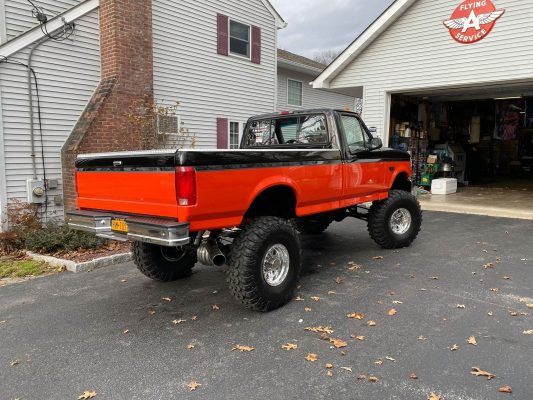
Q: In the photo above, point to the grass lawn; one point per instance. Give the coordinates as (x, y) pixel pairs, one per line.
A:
(23, 268)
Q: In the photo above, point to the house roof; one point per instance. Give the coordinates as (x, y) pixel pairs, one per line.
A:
(280, 22)
(290, 59)
(380, 25)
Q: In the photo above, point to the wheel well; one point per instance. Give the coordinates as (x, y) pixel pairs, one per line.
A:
(402, 183)
(277, 201)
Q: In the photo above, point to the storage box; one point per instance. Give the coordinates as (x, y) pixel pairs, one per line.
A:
(444, 186)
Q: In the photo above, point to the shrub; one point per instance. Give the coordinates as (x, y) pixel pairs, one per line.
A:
(54, 237)
(21, 219)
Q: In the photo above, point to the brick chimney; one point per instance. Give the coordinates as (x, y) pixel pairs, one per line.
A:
(126, 80)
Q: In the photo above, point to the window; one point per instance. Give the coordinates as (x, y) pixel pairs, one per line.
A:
(239, 39)
(234, 135)
(299, 130)
(356, 136)
(294, 90)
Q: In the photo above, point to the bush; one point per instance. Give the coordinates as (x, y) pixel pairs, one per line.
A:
(54, 237)
(21, 219)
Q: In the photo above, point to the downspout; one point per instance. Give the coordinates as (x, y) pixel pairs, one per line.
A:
(30, 93)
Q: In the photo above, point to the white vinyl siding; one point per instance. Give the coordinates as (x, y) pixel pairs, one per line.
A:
(311, 98)
(294, 95)
(68, 73)
(417, 52)
(188, 69)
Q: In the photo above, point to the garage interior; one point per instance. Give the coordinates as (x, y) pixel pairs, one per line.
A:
(482, 137)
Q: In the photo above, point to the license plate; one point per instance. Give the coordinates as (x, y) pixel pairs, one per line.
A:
(119, 225)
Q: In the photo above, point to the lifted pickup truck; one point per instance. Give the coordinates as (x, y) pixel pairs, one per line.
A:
(294, 171)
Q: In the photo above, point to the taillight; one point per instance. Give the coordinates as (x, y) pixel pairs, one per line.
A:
(186, 186)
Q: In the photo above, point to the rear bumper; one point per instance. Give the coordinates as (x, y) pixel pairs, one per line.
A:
(164, 232)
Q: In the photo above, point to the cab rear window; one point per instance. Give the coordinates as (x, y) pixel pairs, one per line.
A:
(290, 131)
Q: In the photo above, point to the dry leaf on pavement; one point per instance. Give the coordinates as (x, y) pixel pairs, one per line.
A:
(373, 379)
(320, 329)
(454, 347)
(315, 298)
(413, 376)
(392, 312)
(166, 299)
(349, 369)
(358, 337)
(126, 331)
(241, 348)
(338, 280)
(151, 311)
(311, 357)
(472, 340)
(332, 292)
(371, 323)
(307, 309)
(299, 298)
(397, 302)
(329, 366)
(338, 343)
(434, 396)
(194, 317)
(377, 258)
(15, 362)
(356, 315)
(87, 395)
(529, 332)
(289, 346)
(479, 372)
(461, 306)
(529, 305)
(378, 362)
(390, 359)
(193, 385)
(505, 389)
(179, 321)
(495, 290)
(215, 307)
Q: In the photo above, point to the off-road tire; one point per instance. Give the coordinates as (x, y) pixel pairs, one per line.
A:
(151, 261)
(245, 277)
(312, 225)
(379, 220)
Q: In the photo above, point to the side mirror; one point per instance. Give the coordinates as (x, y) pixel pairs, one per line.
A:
(375, 144)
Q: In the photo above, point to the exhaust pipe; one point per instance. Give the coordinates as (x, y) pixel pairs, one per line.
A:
(210, 254)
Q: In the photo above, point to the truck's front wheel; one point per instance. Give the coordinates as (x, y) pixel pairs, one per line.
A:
(165, 264)
(264, 264)
(395, 222)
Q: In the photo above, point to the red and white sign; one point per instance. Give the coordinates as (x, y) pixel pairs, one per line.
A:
(473, 20)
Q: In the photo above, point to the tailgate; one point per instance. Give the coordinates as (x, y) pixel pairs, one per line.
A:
(134, 183)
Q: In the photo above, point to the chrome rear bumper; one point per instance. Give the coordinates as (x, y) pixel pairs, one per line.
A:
(159, 231)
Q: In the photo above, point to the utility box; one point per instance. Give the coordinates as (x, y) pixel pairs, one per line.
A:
(36, 191)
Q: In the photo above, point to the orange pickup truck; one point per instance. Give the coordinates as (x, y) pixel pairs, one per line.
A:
(294, 171)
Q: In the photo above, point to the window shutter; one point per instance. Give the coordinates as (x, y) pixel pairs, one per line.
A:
(222, 133)
(222, 34)
(256, 45)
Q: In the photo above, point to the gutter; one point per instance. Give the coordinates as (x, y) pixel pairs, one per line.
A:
(25, 39)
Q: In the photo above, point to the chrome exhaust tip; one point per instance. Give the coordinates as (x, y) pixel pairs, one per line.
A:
(210, 254)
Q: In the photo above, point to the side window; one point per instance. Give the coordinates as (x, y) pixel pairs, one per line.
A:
(294, 93)
(234, 135)
(313, 129)
(239, 39)
(260, 133)
(354, 133)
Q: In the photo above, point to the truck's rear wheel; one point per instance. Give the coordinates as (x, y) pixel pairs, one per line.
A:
(264, 264)
(165, 264)
(395, 222)
(312, 225)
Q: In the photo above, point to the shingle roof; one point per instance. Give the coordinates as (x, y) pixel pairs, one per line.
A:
(295, 58)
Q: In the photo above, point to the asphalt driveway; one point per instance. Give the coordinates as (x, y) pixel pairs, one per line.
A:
(115, 332)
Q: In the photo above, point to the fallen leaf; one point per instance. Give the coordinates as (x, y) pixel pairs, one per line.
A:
(358, 337)
(454, 347)
(15, 362)
(329, 366)
(190, 346)
(371, 323)
(315, 298)
(435, 278)
(422, 290)
(193, 385)
(397, 302)
(362, 377)
(349, 369)
(461, 306)
(338, 280)
(529, 305)
(151, 311)
(513, 313)
(373, 379)
(338, 343)
(307, 309)
(490, 313)
(505, 389)
(488, 265)
(356, 315)
(378, 362)
(289, 346)
(472, 340)
(332, 292)
(299, 298)
(413, 376)
(433, 396)
(123, 280)
(215, 307)
(479, 372)
(194, 317)
(87, 395)
(422, 338)
(241, 348)
(390, 359)
(178, 321)
(320, 329)
(354, 267)
(166, 299)
(377, 258)
(529, 332)
(311, 357)
(495, 290)
(126, 331)
(392, 312)
(506, 278)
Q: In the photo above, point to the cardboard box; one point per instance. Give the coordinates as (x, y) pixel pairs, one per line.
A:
(444, 186)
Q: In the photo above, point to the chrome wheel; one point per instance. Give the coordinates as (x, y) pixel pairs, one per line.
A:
(275, 265)
(400, 221)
